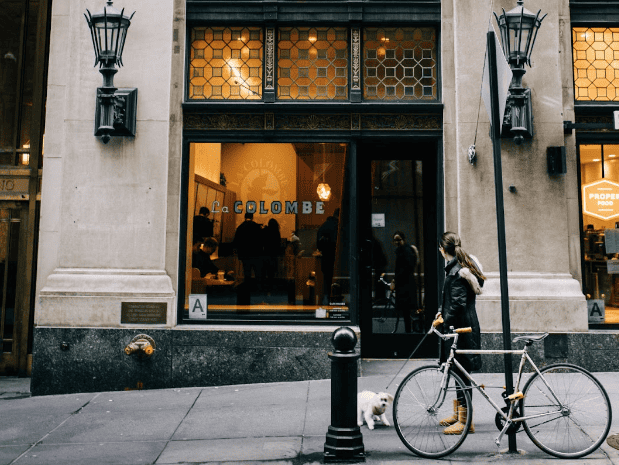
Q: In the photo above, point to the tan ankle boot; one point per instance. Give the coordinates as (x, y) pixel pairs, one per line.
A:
(452, 419)
(458, 427)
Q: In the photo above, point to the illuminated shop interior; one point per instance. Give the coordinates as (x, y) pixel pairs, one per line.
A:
(599, 175)
(299, 186)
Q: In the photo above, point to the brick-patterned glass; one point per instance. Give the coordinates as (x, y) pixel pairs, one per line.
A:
(400, 63)
(312, 63)
(226, 63)
(596, 63)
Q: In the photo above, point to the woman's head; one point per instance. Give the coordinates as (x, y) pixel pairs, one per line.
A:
(399, 238)
(449, 242)
(452, 245)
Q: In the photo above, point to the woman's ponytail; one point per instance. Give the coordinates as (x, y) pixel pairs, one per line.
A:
(450, 242)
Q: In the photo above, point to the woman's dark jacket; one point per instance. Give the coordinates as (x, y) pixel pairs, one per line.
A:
(405, 283)
(458, 310)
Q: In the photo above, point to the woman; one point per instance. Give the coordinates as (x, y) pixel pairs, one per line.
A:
(463, 281)
(405, 285)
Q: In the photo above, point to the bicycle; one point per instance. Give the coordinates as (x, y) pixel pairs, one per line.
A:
(386, 308)
(386, 305)
(563, 408)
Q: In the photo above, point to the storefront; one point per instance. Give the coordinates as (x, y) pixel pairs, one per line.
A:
(335, 119)
(283, 154)
(595, 39)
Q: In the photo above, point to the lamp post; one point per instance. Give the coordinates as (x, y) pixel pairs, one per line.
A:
(519, 29)
(115, 111)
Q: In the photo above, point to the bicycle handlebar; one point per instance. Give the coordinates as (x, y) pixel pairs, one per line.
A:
(464, 330)
(439, 321)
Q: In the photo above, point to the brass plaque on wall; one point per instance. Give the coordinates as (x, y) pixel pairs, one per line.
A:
(143, 312)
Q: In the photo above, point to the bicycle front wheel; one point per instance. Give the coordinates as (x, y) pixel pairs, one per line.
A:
(419, 406)
(574, 413)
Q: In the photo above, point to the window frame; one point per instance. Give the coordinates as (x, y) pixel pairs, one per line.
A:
(354, 96)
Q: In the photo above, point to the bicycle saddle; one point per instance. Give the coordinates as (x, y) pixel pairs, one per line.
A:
(531, 338)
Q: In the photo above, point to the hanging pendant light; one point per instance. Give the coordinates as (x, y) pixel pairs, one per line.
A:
(323, 189)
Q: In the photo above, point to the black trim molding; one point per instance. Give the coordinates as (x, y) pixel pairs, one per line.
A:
(312, 121)
(314, 11)
(601, 12)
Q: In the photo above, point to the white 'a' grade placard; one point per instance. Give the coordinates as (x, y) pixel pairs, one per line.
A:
(197, 306)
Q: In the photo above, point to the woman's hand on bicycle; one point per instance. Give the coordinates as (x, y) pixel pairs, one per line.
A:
(392, 285)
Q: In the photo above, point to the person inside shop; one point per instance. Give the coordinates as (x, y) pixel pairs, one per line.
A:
(272, 251)
(326, 243)
(201, 258)
(463, 281)
(203, 226)
(404, 284)
(248, 243)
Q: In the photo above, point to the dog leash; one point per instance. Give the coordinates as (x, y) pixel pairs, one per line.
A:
(408, 359)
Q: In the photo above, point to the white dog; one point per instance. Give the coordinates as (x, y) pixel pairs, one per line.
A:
(372, 407)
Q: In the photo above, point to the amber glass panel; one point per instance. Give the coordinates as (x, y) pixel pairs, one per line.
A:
(400, 63)
(596, 63)
(312, 63)
(226, 63)
(290, 260)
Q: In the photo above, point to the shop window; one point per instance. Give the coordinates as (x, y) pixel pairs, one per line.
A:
(266, 233)
(226, 63)
(599, 174)
(312, 63)
(400, 63)
(596, 63)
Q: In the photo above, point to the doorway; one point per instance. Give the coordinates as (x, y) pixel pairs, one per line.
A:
(398, 188)
(15, 266)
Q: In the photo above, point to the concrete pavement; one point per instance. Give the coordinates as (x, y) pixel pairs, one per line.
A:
(270, 423)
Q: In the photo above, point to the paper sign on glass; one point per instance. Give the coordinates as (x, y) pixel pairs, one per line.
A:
(378, 220)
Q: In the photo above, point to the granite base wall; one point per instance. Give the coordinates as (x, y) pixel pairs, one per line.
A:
(69, 360)
(592, 350)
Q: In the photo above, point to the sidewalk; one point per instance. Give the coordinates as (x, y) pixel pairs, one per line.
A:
(274, 423)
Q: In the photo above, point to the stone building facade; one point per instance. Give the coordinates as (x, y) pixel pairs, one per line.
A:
(353, 117)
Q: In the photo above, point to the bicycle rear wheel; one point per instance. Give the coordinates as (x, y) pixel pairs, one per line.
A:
(420, 404)
(581, 425)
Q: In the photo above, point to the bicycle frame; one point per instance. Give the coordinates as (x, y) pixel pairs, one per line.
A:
(514, 398)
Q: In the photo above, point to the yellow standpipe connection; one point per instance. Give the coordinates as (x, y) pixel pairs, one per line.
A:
(142, 345)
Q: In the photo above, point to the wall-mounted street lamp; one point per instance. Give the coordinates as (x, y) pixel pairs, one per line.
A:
(518, 33)
(115, 113)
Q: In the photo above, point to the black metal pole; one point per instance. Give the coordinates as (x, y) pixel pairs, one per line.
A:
(500, 217)
(344, 441)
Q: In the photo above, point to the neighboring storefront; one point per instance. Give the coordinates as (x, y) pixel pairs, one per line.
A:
(595, 38)
(280, 152)
(24, 32)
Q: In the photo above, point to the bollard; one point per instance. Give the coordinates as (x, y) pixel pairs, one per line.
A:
(344, 440)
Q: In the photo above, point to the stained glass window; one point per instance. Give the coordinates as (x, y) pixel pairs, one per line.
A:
(312, 63)
(400, 63)
(596, 63)
(226, 63)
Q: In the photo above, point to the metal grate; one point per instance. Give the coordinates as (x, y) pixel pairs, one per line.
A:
(596, 63)
(226, 63)
(400, 63)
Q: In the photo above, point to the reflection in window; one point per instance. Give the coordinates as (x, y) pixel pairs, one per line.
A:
(599, 174)
(226, 63)
(312, 63)
(275, 248)
(596, 63)
(400, 63)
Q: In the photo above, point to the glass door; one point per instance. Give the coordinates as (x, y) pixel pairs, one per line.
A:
(399, 229)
